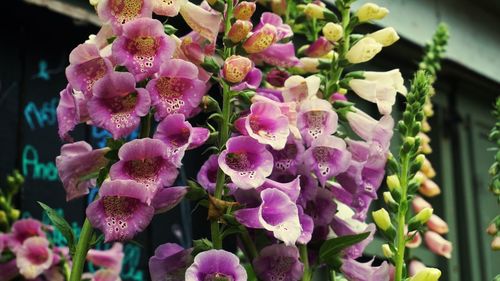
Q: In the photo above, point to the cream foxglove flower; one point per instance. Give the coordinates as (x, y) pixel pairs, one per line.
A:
(386, 36)
(371, 11)
(364, 50)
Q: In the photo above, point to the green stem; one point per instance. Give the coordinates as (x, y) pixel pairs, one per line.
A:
(229, 14)
(81, 251)
(250, 248)
(336, 69)
(401, 217)
(332, 275)
(305, 260)
(145, 126)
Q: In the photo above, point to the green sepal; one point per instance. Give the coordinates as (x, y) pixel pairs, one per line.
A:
(61, 224)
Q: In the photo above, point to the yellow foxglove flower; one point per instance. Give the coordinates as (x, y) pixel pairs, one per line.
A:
(382, 219)
(386, 36)
(371, 11)
(364, 50)
(427, 274)
(333, 32)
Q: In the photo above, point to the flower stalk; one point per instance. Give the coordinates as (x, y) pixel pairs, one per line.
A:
(81, 251)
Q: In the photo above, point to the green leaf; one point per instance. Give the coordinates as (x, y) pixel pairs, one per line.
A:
(61, 224)
(169, 29)
(201, 245)
(330, 250)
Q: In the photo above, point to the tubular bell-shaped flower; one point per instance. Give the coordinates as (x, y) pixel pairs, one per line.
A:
(204, 21)
(119, 12)
(177, 89)
(327, 157)
(86, 66)
(357, 271)
(246, 162)
(261, 39)
(207, 175)
(277, 213)
(117, 105)
(121, 211)
(298, 88)
(279, 262)
(34, 257)
(146, 162)
(179, 136)
(278, 54)
(22, 230)
(316, 119)
(288, 159)
(267, 125)
(110, 259)
(76, 161)
(143, 47)
(169, 262)
(71, 110)
(283, 30)
(216, 265)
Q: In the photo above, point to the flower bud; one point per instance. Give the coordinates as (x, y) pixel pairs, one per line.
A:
(427, 169)
(14, 214)
(386, 36)
(333, 32)
(393, 183)
(427, 274)
(260, 40)
(495, 244)
(429, 188)
(437, 224)
(314, 11)
(244, 10)
(319, 48)
(278, 7)
(364, 50)
(492, 229)
(437, 244)
(3, 217)
(387, 251)
(382, 219)
(239, 31)
(371, 11)
(388, 199)
(423, 216)
(415, 267)
(308, 65)
(236, 68)
(416, 239)
(419, 204)
(94, 2)
(277, 77)
(424, 143)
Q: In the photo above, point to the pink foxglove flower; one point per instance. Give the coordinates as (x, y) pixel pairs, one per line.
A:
(34, 257)
(207, 175)
(239, 31)
(86, 66)
(9, 270)
(261, 39)
(117, 105)
(167, 198)
(177, 89)
(278, 54)
(121, 211)
(71, 110)
(327, 157)
(316, 119)
(143, 47)
(277, 77)
(178, 136)
(110, 259)
(437, 244)
(278, 262)
(288, 159)
(277, 213)
(252, 80)
(170, 262)
(76, 161)
(236, 68)
(437, 224)
(246, 162)
(118, 12)
(22, 230)
(358, 271)
(216, 265)
(146, 162)
(244, 10)
(283, 31)
(267, 125)
(201, 19)
(298, 88)
(319, 48)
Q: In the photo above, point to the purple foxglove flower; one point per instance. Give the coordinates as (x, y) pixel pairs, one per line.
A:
(9, 270)
(214, 265)
(177, 89)
(322, 208)
(145, 161)
(327, 157)
(277, 213)
(117, 105)
(344, 223)
(71, 110)
(338, 97)
(278, 54)
(282, 30)
(167, 198)
(357, 271)
(102, 275)
(277, 77)
(307, 224)
(272, 94)
(288, 159)
(110, 259)
(261, 39)
(207, 175)
(316, 119)
(121, 211)
(143, 47)
(289, 109)
(179, 136)
(76, 161)
(118, 13)
(86, 66)
(252, 81)
(34, 257)
(267, 125)
(319, 48)
(170, 262)
(22, 230)
(246, 162)
(278, 262)
(298, 88)
(370, 129)
(204, 21)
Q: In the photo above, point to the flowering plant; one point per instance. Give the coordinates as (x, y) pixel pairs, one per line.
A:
(295, 164)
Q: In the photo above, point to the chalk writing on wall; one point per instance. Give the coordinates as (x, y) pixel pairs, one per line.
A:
(32, 168)
(41, 116)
